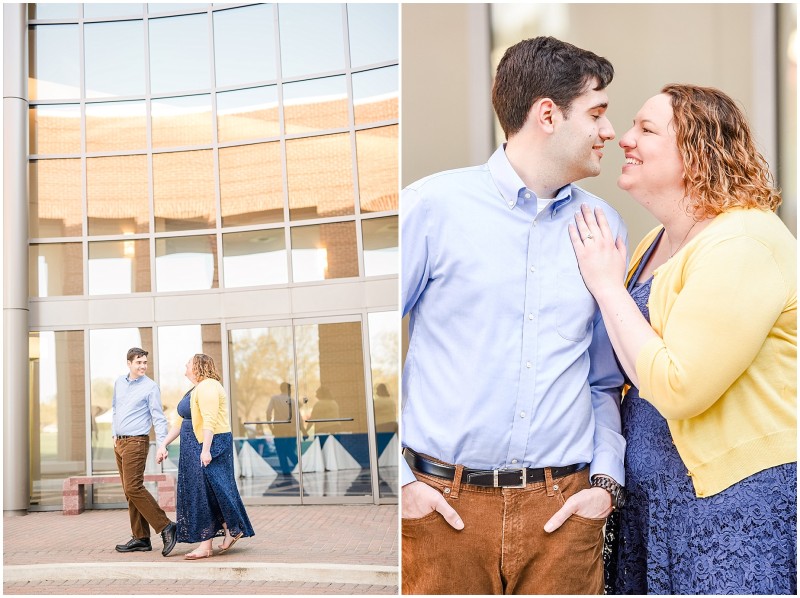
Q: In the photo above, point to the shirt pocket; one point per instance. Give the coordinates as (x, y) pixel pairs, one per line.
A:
(575, 308)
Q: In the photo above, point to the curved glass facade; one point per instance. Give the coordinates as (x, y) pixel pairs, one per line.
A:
(226, 154)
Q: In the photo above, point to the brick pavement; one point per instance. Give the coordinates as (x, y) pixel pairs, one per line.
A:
(312, 537)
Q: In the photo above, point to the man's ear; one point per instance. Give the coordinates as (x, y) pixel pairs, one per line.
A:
(542, 115)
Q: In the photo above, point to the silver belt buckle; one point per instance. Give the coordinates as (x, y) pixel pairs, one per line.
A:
(523, 474)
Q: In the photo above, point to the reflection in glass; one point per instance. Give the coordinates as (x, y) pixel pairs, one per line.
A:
(244, 45)
(383, 343)
(56, 199)
(324, 251)
(251, 184)
(254, 258)
(182, 121)
(55, 129)
(176, 346)
(186, 263)
(55, 269)
(108, 350)
(373, 33)
(162, 7)
(118, 196)
(58, 407)
(330, 387)
(314, 105)
(179, 54)
(248, 114)
(311, 37)
(118, 267)
(54, 62)
(375, 95)
(104, 10)
(114, 54)
(380, 246)
(320, 176)
(377, 168)
(183, 190)
(115, 126)
(54, 11)
(263, 409)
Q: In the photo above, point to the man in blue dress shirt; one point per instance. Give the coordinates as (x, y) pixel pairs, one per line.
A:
(135, 408)
(513, 455)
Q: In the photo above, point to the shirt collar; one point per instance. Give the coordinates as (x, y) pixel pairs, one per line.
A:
(511, 186)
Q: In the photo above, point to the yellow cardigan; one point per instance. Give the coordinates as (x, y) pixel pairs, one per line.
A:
(723, 371)
(209, 405)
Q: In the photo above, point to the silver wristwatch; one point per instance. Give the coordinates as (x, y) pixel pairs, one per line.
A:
(616, 491)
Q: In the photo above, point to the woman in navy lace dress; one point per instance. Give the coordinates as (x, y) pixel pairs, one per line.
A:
(208, 503)
(707, 334)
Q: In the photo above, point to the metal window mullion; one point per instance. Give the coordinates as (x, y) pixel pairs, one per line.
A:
(372, 436)
(287, 236)
(149, 151)
(84, 162)
(215, 149)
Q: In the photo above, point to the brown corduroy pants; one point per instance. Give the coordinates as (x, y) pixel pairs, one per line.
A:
(143, 510)
(503, 548)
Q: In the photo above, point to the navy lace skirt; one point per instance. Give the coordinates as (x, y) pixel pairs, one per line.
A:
(207, 496)
(742, 540)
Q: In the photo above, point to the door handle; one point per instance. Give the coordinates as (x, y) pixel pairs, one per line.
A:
(274, 421)
(333, 419)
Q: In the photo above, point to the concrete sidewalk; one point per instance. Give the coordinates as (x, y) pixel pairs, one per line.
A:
(320, 549)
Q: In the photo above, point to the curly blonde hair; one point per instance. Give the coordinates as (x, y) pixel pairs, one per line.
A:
(722, 167)
(203, 367)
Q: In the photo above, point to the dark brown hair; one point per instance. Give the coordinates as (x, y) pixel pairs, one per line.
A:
(544, 67)
(722, 167)
(135, 352)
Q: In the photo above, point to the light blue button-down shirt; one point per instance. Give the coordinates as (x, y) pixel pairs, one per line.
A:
(509, 364)
(136, 406)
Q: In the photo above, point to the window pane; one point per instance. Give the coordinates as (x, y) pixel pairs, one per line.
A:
(383, 343)
(251, 184)
(179, 54)
(373, 33)
(56, 198)
(54, 62)
(255, 258)
(244, 45)
(58, 413)
(380, 246)
(56, 269)
(186, 263)
(182, 121)
(377, 168)
(55, 129)
(320, 173)
(108, 349)
(54, 11)
(114, 126)
(324, 251)
(310, 106)
(118, 196)
(183, 190)
(114, 58)
(117, 267)
(375, 95)
(98, 11)
(311, 37)
(160, 7)
(248, 114)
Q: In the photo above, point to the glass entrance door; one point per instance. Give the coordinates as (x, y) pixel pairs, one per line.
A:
(299, 411)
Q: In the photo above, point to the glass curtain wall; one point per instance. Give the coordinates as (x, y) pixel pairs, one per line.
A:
(194, 148)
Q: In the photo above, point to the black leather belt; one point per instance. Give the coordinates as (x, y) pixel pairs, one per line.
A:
(137, 436)
(494, 478)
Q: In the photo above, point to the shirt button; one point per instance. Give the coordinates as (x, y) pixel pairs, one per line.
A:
(514, 461)
(522, 414)
(528, 365)
(533, 269)
(530, 316)
(527, 196)
(511, 204)
(535, 223)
